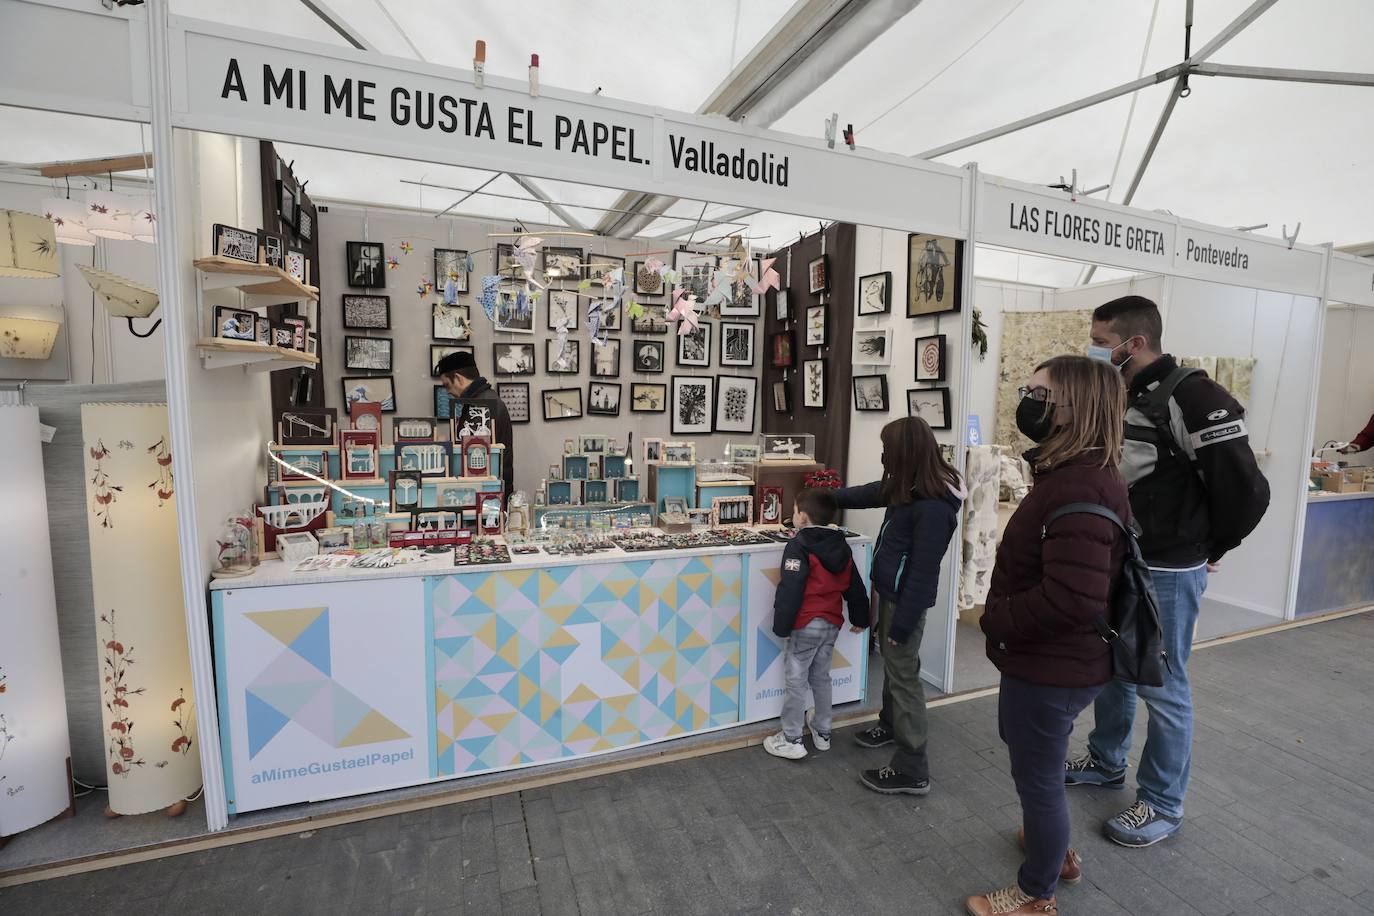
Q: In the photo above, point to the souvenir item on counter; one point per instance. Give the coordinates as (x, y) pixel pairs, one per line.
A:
(301, 464)
(518, 521)
(490, 516)
(627, 489)
(731, 510)
(430, 459)
(591, 445)
(770, 510)
(414, 429)
(364, 415)
(677, 454)
(407, 488)
(594, 491)
(653, 450)
(236, 554)
(560, 492)
(523, 550)
(296, 546)
(476, 456)
(334, 540)
(796, 446)
(358, 454)
(309, 426)
(740, 535)
(480, 552)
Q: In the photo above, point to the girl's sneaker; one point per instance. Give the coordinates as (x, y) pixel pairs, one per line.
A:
(779, 746)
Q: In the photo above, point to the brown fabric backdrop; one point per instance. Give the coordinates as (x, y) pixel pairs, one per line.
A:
(831, 425)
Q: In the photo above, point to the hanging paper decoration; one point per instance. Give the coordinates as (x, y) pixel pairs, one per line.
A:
(451, 292)
(596, 317)
(469, 266)
(633, 309)
(406, 247)
(490, 286)
(561, 343)
(768, 278)
(684, 310)
(654, 266)
(722, 288)
(392, 263)
(425, 287)
(525, 252)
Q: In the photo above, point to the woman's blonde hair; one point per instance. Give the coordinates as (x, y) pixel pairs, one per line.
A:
(1096, 399)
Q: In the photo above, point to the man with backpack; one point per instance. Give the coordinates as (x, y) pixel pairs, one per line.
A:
(1196, 493)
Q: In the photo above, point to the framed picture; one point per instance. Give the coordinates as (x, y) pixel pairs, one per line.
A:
(678, 453)
(445, 406)
(309, 426)
(413, 429)
(930, 358)
(736, 344)
(298, 332)
(476, 456)
(647, 355)
(406, 489)
(358, 453)
(365, 415)
(603, 398)
(813, 383)
(287, 202)
(606, 359)
(562, 264)
(294, 264)
(875, 293)
(273, 249)
(263, 331)
(516, 397)
(451, 322)
(238, 244)
(781, 309)
(439, 351)
(782, 350)
(872, 347)
(379, 389)
(732, 510)
(312, 343)
(368, 354)
(450, 264)
(870, 392)
(647, 282)
(695, 272)
(653, 448)
(736, 403)
(366, 264)
(490, 517)
(305, 222)
(610, 317)
(770, 511)
(694, 347)
(782, 398)
(455, 495)
(648, 397)
(930, 404)
(743, 301)
(818, 274)
(562, 307)
(236, 324)
(430, 459)
(736, 451)
(562, 403)
(652, 321)
(366, 313)
(514, 311)
(303, 462)
(592, 444)
(598, 265)
(693, 400)
(564, 360)
(283, 337)
(505, 264)
(816, 325)
(513, 358)
(934, 268)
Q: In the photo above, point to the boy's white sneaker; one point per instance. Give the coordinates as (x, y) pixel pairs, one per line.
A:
(822, 742)
(779, 746)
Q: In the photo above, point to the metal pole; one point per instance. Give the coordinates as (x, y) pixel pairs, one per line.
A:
(176, 345)
(1237, 25)
(1328, 77)
(557, 209)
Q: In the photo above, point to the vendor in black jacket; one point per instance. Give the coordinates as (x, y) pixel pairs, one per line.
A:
(477, 404)
(921, 494)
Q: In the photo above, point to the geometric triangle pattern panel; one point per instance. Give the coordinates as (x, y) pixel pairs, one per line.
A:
(541, 664)
(296, 686)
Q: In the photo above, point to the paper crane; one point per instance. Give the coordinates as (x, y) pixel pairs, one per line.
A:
(684, 311)
(451, 292)
(561, 342)
(490, 285)
(722, 288)
(525, 252)
(597, 313)
(768, 278)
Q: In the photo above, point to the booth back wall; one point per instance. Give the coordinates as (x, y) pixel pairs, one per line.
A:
(1345, 398)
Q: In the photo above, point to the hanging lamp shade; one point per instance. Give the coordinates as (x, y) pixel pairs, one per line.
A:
(68, 220)
(28, 246)
(28, 333)
(144, 220)
(110, 215)
(123, 298)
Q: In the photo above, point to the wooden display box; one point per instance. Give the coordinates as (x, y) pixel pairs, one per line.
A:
(790, 475)
(1342, 480)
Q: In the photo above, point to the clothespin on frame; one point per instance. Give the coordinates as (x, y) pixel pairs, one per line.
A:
(1292, 239)
(830, 124)
(849, 135)
(479, 65)
(534, 75)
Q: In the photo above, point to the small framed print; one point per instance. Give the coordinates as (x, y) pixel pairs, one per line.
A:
(445, 406)
(451, 322)
(298, 332)
(818, 274)
(930, 404)
(378, 389)
(782, 350)
(489, 514)
(736, 403)
(305, 222)
(934, 274)
(595, 491)
(365, 415)
(413, 429)
(647, 356)
(693, 403)
(513, 358)
(516, 397)
(781, 310)
(610, 317)
(678, 454)
(303, 463)
(813, 383)
(438, 351)
(312, 343)
(560, 492)
(514, 312)
(238, 244)
(450, 264)
(647, 282)
(736, 344)
(294, 264)
(366, 264)
(406, 490)
(476, 456)
(236, 324)
(598, 265)
(652, 321)
(562, 404)
(875, 294)
(606, 359)
(930, 358)
(563, 359)
(731, 510)
(675, 506)
(816, 325)
(782, 398)
(429, 459)
(287, 201)
(562, 264)
(333, 540)
(770, 509)
(366, 313)
(695, 272)
(358, 454)
(562, 309)
(653, 450)
(870, 392)
(872, 347)
(603, 398)
(576, 467)
(273, 249)
(309, 426)
(455, 495)
(506, 264)
(694, 347)
(283, 337)
(263, 331)
(743, 302)
(368, 354)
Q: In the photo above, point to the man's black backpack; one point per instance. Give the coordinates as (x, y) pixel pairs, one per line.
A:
(1131, 624)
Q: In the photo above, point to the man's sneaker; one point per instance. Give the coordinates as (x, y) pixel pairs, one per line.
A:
(1141, 825)
(1008, 901)
(877, 736)
(1086, 771)
(822, 742)
(1071, 872)
(779, 746)
(894, 782)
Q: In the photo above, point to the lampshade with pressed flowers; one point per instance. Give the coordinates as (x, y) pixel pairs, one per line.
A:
(110, 214)
(123, 298)
(28, 246)
(28, 332)
(144, 219)
(69, 221)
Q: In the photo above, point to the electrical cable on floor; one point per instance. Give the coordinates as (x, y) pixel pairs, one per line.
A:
(199, 793)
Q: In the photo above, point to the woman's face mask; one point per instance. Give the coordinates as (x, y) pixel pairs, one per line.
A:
(1035, 418)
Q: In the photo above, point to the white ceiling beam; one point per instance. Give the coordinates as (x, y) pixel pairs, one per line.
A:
(557, 209)
(331, 18)
(1236, 26)
(1330, 77)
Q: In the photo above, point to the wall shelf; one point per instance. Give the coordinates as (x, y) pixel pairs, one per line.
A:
(220, 353)
(253, 279)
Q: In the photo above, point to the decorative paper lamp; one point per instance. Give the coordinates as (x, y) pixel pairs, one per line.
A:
(144, 220)
(28, 333)
(35, 779)
(28, 246)
(68, 220)
(123, 298)
(110, 215)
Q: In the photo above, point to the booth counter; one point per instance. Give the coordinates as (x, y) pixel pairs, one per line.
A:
(1337, 568)
(343, 682)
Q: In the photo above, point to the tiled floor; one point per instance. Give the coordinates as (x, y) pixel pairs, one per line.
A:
(1280, 820)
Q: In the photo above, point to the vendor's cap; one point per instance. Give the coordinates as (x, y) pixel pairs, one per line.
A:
(456, 362)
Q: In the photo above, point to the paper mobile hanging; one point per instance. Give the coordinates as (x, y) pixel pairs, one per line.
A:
(425, 287)
(406, 247)
(561, 341)
(392, 263)
(684, 311)
(722, 288)
(596, 316)
(634, 310)
(451, 292)
(487, 299)
(524, 253)
(768, 278)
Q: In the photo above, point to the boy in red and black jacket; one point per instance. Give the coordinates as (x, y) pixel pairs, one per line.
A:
(818, 578)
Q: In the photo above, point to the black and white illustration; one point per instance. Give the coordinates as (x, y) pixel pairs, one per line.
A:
(736, 400)
(816, 325)
(930, 404)
(652, 321)
(694, 347)
(603, 398)
(606, 359)
(870, 392)
(273, 249)
(565, 359)
(875, 294)
(239, 244)
(695, 272)
(648, 397)
(514, 311)
(743, 301)
(782, 398)
(562, 308)
(366, 264)
(813, 383)
(781, 309)
(451, 322)
(562, 264)
(872, 347)
(598, 265)
(506, 265)
(369, 354)
(516, 397)
(648, 355)
(450, 264)
(236, 324)
(562, 403)
(647, 282)
(363, 313)
(736, 344)
(513, 358)
(293, 262)
(693, 400)
(439, 351)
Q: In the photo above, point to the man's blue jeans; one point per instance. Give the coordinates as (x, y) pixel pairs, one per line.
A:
(1165, 761)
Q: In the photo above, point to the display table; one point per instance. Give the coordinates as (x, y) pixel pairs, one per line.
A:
(342, 682)
(1337, 567)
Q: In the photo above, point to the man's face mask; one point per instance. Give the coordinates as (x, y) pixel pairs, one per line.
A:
(1105, 353)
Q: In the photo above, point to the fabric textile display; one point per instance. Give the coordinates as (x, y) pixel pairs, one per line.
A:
(34, 748)
(1028, 339)
(1234, 373)
(982, 477)
(1014, 478)
(145, 667)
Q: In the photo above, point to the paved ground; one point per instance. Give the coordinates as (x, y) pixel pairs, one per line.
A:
(1281, 820)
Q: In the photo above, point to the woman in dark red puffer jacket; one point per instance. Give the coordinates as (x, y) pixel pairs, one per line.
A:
(1048, 587)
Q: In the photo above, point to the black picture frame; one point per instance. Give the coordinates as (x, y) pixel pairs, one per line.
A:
(782, 398)
(551, 354)
(439, 351)
(505, 264)
(235, 324)
(600, 406)
(863, 393)
(730, 334)
(931, 273)
(695, 271)
(439, 324)
(307, 426)
(702, 331)
(385, 384)
(931, 349)
(296, 264)
(813, 369)
(561, 397)
(924, 395)
(366, 265)
(725, 422)
(605, 361)
(702, 411)
(648, 282)
(287, 202)
(601, 264)
(653, 320)
(782, 352)
(273, 249)
(418, 488)
(283, 337)
(870, 284)
(818, 275)
(305, 221)
(234, 243)
(360, 312)
(811, 336)
(514, 395)
(355, 348)
(566, 261)
(501, 350)
(648, 357)
(648, 397)
(563, 296)
(444, 261)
